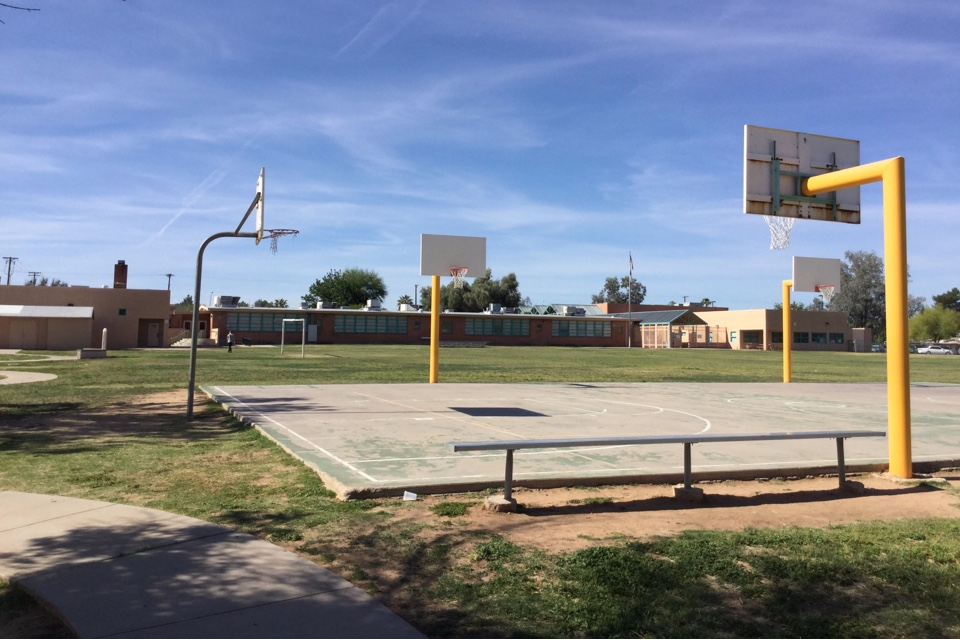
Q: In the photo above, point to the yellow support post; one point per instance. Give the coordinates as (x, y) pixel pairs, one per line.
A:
(435, 330)
(787, 330)
(891, 173)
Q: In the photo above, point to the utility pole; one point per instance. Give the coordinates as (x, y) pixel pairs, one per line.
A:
(169, 275)
(10, 261)
(33, 275)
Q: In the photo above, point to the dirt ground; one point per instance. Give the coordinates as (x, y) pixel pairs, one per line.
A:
(567, 519)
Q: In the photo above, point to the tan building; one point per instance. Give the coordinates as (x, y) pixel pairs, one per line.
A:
(65, 318)
(763, 329)
(44, 328)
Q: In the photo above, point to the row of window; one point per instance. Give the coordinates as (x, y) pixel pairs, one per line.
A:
(802, 337)
(513, 327)
(581, 329)
(375, 323)
(264, 322)
(497, 327)
(369, 323)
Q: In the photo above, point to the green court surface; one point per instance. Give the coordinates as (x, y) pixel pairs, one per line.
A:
(384, 439)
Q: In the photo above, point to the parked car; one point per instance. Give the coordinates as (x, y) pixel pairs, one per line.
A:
(878, 348)
(935, 349)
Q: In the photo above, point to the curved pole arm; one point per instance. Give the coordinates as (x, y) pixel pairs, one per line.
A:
(196, 311)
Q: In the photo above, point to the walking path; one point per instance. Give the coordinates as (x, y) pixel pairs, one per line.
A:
(18, 377)
(111, 570)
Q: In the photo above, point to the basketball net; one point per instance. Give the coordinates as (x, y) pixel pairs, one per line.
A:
(273, 234)
(826, 290)
(779, 231)
(458, 274)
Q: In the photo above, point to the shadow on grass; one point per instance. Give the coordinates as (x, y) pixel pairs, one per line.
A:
(797, 583)
(72, 428)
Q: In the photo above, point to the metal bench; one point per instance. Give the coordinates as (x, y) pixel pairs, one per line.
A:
(687, 441)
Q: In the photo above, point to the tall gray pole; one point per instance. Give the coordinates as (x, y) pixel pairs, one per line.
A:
(196, 311)
(196, 290)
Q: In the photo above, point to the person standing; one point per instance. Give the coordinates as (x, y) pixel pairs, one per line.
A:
(229, 342)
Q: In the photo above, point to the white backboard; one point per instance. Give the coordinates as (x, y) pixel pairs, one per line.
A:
(260, 181)
(776, 161)
(810, 273)
(439, 254)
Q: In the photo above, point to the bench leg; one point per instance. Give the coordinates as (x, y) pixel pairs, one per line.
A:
(841, 464)
(687, 491)
(508, 477)
(506, 503)
(846, 485)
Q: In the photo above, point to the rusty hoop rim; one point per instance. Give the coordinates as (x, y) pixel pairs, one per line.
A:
(277, 233)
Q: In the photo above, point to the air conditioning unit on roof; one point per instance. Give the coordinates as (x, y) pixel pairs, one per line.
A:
(226, 302)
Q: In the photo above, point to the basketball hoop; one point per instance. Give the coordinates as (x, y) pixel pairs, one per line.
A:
(458, 273)
(779, 231)
(826, 290)
(273, 234)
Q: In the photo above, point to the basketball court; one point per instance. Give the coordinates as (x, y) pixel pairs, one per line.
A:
(370, 440)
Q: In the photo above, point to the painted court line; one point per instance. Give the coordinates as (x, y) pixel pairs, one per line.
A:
(297, 435)
(381, 439)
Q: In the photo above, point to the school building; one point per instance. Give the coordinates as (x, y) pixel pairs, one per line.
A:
(64, 318)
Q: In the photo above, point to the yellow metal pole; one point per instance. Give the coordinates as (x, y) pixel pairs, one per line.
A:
(891, 173)
(435, 330)
(787, 330)
(898, 348)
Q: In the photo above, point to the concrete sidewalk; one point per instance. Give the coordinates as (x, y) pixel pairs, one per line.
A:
(117, 571)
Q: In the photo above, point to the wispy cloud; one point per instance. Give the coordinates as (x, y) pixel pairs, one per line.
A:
(385, 24)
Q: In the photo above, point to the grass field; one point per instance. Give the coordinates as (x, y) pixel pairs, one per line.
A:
(85, 435)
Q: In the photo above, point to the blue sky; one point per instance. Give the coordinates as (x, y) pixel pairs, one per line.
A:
(569, 134)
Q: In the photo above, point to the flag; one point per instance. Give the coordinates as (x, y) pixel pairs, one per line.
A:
(631, 263)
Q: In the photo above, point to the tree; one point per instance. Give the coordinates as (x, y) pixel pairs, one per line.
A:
(794, 306)
(46, 282)
(861, 294)
(478, 296)
(949, 300)
(935, 323)
(184, 305)
(915, 305)
(615, 290)
(404, 299)
(279, 303)
(485, 291)
(349, 288)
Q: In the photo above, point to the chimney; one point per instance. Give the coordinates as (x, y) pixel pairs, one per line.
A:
(120, 275)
